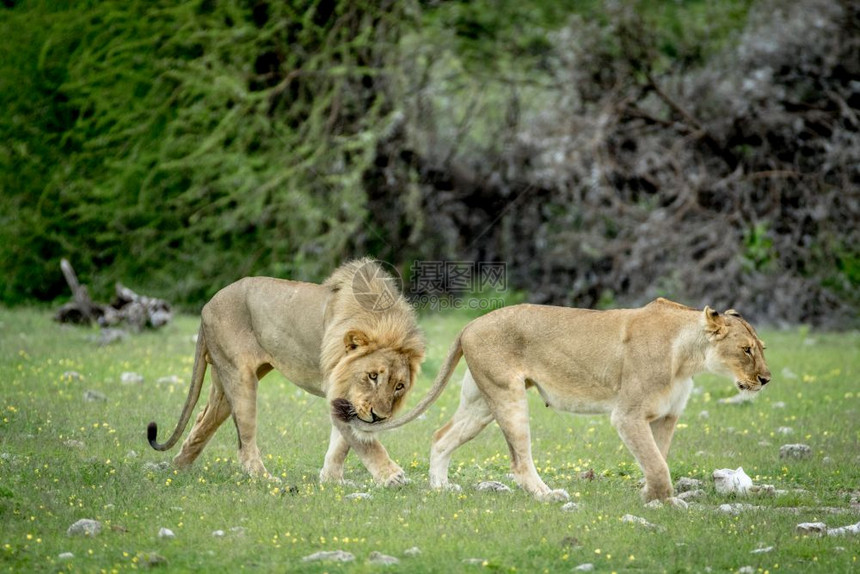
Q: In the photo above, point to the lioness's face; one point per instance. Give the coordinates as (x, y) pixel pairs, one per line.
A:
(379, 383)
(740, 352)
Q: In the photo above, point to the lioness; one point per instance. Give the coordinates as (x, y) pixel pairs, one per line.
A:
(353, 340)
(635, 364)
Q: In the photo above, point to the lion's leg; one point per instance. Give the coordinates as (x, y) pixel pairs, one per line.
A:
(636, 434)
(373, 456)
(215, 412)
(663, 429)
(472, 416)
(338, 448)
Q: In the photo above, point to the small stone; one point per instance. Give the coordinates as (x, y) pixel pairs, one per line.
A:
(166, 533)
(94, 396)
(358, 496)
(218, 533)
(381, 559)
(151, 559)
(704, 414)
(685, 484)
(778, 405)
(72, 443)
(493, 486)
(763, 489)
(728, 481)
(570, 506)
(329, 556)
(156, 466)
(238, 531)
(474, 561)
(826, 460)
(676, 502)
(654, 504)
(71, 376)
(109, 336)
(587, 474)
(691, 495)
(637, 520)
(412, 552)
(735, 508)
(785, 430)
(746, 570)
(85, 527)
(762, 550)
(798, 451)
(168, 380)
(587, 567)
(807, 528)
(764, 443)
(131, 454)
(66, 556)
(844, 530)
(130, 378)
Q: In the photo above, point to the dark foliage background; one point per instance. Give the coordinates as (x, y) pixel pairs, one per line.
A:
(607, 152)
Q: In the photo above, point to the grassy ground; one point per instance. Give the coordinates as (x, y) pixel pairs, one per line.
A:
(47, 482)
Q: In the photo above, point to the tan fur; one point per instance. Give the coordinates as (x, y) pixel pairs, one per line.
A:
(634, 364)
(327, 339)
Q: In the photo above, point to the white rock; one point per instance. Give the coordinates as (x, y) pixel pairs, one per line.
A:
(72, 443)
(237, 531)
(785, 430)
(691, 495)
(844, 530)
(66, 556)
(676, 502)
(746, 570)
(168, 380)
(329, 556)
(762, 550)
(412, 552)
(165, 533)
(218, 533)
(382, 559)
(570, 506)
(704, 414)
(156, 466)
(811, 528)
(129, 378)
(72, 376)
(493, 486)
(637, 520)
(587, 567)
(799, 451)
(85, 527)
(94, 396)
(763, 489)
(358, 496)
(474, 561)
(727, 481)
(778, 405)
(736, 508)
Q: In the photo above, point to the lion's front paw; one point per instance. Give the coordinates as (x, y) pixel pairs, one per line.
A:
(557, 495)
(657, 492)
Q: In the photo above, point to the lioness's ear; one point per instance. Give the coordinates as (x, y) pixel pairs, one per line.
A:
(715, 324)
(354, 339)
(733, 313)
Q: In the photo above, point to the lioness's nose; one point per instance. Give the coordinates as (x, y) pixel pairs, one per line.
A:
(764, 379)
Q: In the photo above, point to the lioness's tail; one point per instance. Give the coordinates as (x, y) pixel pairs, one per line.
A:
(442, 378)
(197, 374)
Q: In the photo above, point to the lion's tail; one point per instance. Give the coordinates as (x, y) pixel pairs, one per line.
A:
(197, 374)
(442, 378)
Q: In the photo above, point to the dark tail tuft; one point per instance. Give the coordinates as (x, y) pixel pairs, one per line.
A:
(151, 433)
(342, 410)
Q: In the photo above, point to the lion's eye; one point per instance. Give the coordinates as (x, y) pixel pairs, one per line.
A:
(399, 387)
(372, 376)
(748, 350)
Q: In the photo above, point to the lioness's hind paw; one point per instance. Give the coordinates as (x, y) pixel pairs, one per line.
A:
(557, 495)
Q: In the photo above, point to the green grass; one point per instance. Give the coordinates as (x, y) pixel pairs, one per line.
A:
(46, 485)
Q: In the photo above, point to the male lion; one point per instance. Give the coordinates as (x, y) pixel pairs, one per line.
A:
(635, 364)
(353, 340)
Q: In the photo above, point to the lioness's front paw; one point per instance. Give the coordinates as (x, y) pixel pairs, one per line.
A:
(557, 495)
(657, 492)
(395, 480)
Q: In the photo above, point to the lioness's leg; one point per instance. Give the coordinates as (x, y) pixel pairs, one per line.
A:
(509, 405)
(215, 412)
(636, 434)
(663, 429)
(338, 448)
(243, 400)
(472, 416)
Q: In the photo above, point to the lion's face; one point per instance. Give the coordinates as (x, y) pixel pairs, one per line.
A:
(371, 384)
(736, 350)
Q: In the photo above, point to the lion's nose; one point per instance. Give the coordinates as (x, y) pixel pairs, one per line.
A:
(763, 379)
(375, 418)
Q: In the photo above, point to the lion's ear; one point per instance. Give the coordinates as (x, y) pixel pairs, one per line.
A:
(715, 324)
(354, 339)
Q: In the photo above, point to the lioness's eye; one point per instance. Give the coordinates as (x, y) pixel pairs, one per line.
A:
(372, 376)
(399, 387)
(748, 350)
